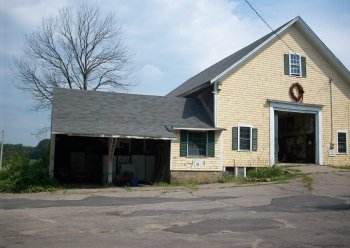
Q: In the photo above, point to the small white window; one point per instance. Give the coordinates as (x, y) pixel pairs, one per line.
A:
(342, 142)
(244, 138)
(294, 64)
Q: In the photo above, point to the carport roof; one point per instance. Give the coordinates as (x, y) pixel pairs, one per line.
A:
(107, 114)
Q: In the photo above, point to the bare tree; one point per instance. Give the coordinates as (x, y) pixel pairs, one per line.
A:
(76, 50)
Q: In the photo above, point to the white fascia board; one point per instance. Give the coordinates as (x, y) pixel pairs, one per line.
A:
(257, 49)
(115, 136)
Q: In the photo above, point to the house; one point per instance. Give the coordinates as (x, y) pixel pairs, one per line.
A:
(285, 98)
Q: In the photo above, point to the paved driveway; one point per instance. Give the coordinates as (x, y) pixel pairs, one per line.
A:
(216, 215)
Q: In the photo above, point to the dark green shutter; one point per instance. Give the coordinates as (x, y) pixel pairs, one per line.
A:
(183, 143)
(211, 144)
(235, 138)
(286, 64)
(254, 139)
(303, 66)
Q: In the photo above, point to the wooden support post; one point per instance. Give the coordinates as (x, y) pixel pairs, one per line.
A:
(52, 155)
(1, 147)
(111, 147)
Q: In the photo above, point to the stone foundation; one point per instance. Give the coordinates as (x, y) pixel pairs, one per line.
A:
(195, 176)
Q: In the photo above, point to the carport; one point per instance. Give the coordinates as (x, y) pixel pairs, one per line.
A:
(105, 137)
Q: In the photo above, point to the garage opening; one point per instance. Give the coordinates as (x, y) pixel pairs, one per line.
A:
(296, 137)
(85, 160)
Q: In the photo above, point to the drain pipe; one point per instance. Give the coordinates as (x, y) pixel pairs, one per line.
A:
(331, 145)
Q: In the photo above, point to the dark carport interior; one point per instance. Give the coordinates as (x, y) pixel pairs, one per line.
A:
(84, 160)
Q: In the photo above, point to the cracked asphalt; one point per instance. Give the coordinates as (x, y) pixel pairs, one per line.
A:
(214, 215)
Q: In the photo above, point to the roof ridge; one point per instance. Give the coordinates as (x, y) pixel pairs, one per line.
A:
(109, 92)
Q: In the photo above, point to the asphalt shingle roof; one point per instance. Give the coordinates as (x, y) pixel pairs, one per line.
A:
(90, 113)
(211, 72)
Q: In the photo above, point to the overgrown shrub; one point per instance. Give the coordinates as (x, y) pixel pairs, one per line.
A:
(265, 174)
(20, 175)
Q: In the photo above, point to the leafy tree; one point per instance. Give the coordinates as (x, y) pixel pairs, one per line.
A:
(41, 149)
(77, 50)
(11, 151)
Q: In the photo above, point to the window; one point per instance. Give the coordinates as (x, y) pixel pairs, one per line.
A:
(197, 143)
(295, 64)
(342, 142)
(245, 138)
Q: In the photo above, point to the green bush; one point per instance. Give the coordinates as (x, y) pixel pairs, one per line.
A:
(20, 175)
(265, 174)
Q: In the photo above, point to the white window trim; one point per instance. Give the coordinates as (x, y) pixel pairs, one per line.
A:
(206, 148)
(239, 137)
(290, 65)
(346, 140)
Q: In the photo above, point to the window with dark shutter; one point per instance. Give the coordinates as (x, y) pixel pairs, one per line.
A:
(244, 138)
(294, 65)
(197, 143)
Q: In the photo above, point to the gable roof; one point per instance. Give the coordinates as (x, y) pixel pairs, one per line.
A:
(106, 114)
(225, 66)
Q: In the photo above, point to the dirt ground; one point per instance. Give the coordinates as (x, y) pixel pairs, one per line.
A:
(213, 215)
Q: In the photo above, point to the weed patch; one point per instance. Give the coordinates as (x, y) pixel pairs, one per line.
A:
(265, 174)
(307, 181)
(230, 178)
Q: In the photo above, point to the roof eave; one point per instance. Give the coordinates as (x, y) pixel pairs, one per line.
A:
(199, 128)
(202, 86)
(115, 136)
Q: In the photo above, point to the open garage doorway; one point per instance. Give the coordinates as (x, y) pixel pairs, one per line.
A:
(295, 133)
(296, 137)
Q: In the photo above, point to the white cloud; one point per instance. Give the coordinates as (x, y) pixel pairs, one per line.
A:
(198, 33)
(29, 13)
(151, 73)
(182, 37)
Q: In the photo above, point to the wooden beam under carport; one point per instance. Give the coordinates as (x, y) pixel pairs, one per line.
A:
(111, 147)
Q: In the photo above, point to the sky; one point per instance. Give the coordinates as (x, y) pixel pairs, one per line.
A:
(171, 41)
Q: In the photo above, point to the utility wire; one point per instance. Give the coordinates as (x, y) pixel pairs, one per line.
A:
(281, 37)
